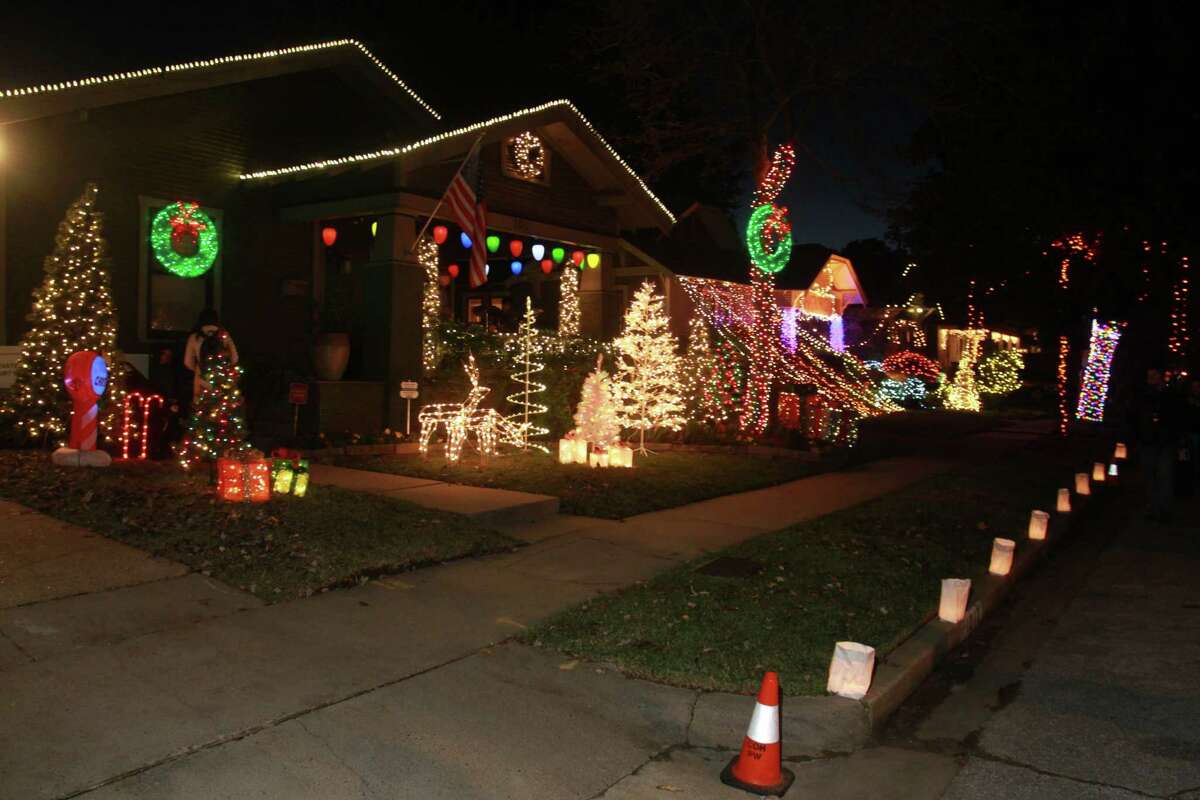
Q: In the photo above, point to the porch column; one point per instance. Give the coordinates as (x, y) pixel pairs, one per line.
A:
(391, 311)
(591, 298)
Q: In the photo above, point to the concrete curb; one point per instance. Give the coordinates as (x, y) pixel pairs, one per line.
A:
(816, 726)
(906, 667)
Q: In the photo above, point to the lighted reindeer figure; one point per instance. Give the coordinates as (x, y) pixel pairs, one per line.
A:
(461, 420)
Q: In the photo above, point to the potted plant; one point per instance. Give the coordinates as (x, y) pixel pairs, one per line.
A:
(331, 351)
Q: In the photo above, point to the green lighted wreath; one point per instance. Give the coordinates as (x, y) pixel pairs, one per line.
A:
(184, 240)
(768, 219)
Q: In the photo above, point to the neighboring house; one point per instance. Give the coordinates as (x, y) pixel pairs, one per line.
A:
(950, 342)
(817, 284)
(277, 147)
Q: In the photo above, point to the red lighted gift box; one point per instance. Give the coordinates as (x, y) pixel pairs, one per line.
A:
(244, 477)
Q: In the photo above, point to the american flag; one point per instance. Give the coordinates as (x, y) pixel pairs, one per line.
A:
(470, 212)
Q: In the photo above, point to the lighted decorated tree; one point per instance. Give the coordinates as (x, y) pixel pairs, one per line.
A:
(730, 378)
(528, 364)
(962, 394)
(701, 368)
(217, 423)
(1000, 373)
(649, 393)
(72, 311)
(596, 415)
(568, 302)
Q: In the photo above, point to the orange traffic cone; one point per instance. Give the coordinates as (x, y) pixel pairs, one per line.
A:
(759, 767)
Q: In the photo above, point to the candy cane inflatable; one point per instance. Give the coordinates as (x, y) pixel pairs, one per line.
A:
(86, 378)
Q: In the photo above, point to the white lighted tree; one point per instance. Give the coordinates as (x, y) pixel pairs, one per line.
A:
(596, 415)
(568, 301)
(648, 371)
(72, 310)
(528, 364)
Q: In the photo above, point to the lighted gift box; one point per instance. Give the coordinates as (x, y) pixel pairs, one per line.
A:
(231, 481)
(620, 456)
(239, 481)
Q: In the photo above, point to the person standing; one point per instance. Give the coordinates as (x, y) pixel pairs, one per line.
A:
(1157, 429)
(208, 325)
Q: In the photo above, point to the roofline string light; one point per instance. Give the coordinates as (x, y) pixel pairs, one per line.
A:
(392, 152)
(148, 72)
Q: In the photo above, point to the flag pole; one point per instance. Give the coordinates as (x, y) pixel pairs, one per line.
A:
(438, 207)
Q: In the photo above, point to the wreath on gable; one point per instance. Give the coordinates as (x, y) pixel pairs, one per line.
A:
(184, 239)
(528, 156)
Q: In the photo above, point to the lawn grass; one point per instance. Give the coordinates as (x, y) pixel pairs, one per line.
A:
(870, 573)
(286, 548)
(659, 480)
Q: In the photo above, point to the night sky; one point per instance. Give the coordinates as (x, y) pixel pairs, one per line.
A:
(841, 185)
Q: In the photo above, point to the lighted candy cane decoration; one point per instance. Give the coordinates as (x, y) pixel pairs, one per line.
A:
(86, 377)
(147, 402)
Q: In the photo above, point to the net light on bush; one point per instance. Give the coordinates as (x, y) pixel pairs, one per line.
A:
(1039, 522)
(1002, 556)
(953, 605)
(1082, 485)
(850, 670)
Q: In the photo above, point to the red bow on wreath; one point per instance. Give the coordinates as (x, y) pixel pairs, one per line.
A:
(185, 230)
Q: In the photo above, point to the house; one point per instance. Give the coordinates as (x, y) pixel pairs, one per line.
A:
(319, 168)
(704, 245)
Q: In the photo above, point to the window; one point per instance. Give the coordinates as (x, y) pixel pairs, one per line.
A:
(168, 304)
(526, 158)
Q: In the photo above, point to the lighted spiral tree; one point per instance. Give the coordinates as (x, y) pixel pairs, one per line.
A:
(528, 364)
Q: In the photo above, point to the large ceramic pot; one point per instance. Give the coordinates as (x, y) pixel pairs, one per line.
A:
(331, 353)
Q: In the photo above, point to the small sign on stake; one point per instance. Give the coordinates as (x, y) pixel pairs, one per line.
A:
(408, 393)
(297, 396)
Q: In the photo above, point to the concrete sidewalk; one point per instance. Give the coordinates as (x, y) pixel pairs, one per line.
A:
(490, 507)
(391, 689)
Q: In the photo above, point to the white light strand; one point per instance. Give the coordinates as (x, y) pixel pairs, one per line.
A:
(392, 152)
(212, 62)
